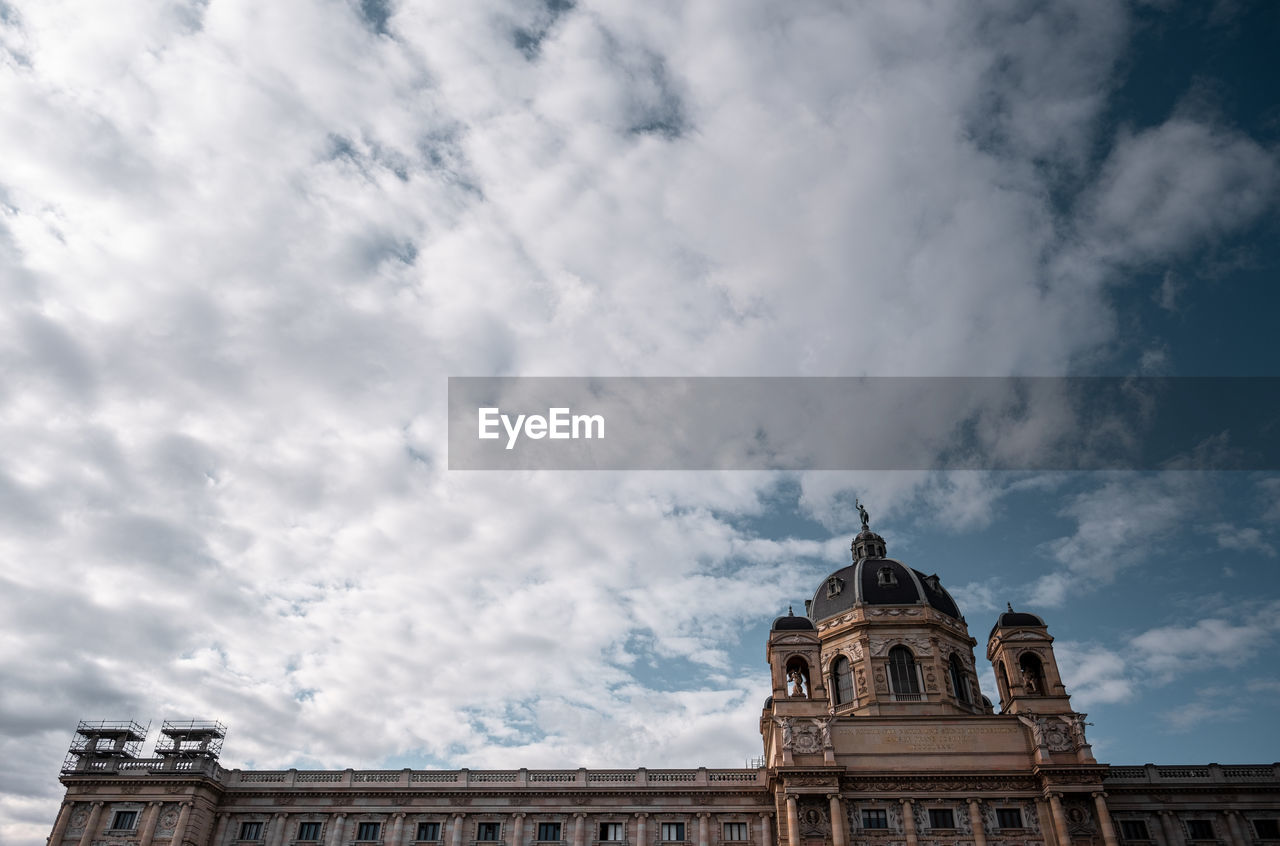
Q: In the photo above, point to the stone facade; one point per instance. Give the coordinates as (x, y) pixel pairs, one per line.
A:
(876, 735)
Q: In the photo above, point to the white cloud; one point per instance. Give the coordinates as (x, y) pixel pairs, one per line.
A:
(1119, 524)
(243, 244)
(1242, 539)
(1186, 717)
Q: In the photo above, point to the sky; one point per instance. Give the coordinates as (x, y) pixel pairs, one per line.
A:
(244, 245)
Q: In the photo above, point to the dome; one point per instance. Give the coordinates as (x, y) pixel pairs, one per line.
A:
(879, 581)
(790, 622)
(1014, 619)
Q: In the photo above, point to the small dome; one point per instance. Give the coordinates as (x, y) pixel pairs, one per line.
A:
(790, 622)
(1015, 619)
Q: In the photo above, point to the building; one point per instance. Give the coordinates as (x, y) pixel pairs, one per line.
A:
(876, 734)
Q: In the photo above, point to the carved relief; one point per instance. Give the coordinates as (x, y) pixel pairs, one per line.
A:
(806, 738)
(814, 819)
(1080, 821)
(919, 645)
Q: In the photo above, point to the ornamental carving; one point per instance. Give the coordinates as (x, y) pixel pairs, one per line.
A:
(814, 820)
(1079, 821)
(131, 788)
(919, 645)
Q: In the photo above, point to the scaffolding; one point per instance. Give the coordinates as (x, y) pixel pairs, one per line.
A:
(95, 743)
(191, 739)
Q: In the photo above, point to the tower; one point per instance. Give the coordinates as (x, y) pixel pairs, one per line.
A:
(1020, 650)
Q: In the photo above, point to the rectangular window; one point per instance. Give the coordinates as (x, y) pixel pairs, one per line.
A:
(673, 832)
(429, 831)
(368, 830)
(250, 831)
(941, 818)
(1134, 830)
(487, 832)
(875, 818)
(735, 831)
(309, 831)
(125, 821)
(548, 832)
(1009, 817)
(1200, 829)
(1267, 829)
(611, 831)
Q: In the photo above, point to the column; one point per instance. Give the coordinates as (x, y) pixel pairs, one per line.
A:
(60, 824)
(838, 822)
(579, 829)
(91, 825)
(1104, 819)
(219, 831)
(278, 823)
(1059, 819)
(1046, 822)
(150, 817)
(766, 832)
(1172, 836)
(704, 829)
(180, 830)
(335, 829)
(642, 829)
(455, 832)
(793, 822)
(1236, 829)
(909, 821)
(517, 829)
(977, 823)
(397, 830)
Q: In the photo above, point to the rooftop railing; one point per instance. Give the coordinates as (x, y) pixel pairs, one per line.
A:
(501, 779)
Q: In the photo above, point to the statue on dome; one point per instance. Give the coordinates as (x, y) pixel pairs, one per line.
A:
(862, 512)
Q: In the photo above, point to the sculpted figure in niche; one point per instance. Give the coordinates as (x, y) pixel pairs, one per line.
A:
(1032, 674)
(797, 683)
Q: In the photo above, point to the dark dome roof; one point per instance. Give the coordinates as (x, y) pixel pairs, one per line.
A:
(1013, 619)
(791, 622)
(879, 581)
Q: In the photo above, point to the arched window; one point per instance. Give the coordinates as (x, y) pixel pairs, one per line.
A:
(903, 680)
(842, 680)
(1032, 674)
(959, 681)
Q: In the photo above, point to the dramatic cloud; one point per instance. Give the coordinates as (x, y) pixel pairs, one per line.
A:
(242, 246)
